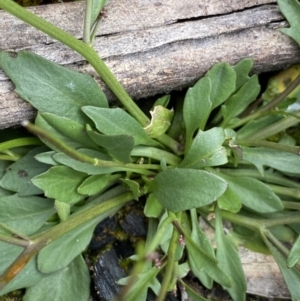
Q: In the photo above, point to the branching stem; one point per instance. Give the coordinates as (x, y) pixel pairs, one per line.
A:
(73, 153)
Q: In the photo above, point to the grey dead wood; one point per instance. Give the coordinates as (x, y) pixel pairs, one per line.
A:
(153, 46)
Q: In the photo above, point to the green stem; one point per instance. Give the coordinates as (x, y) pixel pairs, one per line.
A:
(282, 220)
(286, 191)
(241, 220)
(14, 241)
(80, 218)
(19, 142)
(270, 105)
(276, 127)
(272, 238)
(159, 235)
(274, 178)
(251, 107)
(246, 119)
(291, 205)
(258, 224)
(281, 96)
(87, 22)
(152, 227)
(15, 233)
(71, 152)
(104, 196)
(170, 143)
(17, 266)
(138, 168)
(272, 145)
(94, 28)
(156, 154)
(169, 271)
(193, 295)
(10, 157)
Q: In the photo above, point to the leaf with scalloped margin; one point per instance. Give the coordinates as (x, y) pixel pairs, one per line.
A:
(50, 87)
(280, 160)
(291, 11)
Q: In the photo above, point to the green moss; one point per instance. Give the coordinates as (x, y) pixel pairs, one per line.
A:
(13, 296)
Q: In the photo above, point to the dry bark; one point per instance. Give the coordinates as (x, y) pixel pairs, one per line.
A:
(154, 46)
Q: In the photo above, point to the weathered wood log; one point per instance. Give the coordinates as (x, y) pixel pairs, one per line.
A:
(154, 46)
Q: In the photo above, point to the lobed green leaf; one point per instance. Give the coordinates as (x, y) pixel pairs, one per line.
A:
(93, 184)
(3, 167)
(256, 125)
(201, 261)
(42, 123)
(162, 101)
(152, 207)
(133, 186)
(280, 160)
(223, 79)
(117, 122)
(139, 289)
(230, 200)
(294, 255)
(229, 261)
(69, 284)
(290, 275)
(199, 237)
(239, 101)
(26, 214)
(61, 183)
(70, 129)
(62, 251)
(196, 108)
(291, 11)
(98, 5)
(253, 194)
(27, 277)
(19, 174)
(206, 150)
(84, 167)
(192, 294)
(50, 87)
(118, 146)
(242, 70)
(46, 157)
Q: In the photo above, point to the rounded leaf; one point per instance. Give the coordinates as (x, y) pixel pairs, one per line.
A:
(183, 189)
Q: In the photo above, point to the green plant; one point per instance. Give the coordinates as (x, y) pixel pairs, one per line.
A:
(94, 159)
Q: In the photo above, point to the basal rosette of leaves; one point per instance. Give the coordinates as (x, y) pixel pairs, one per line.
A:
(200, 158)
